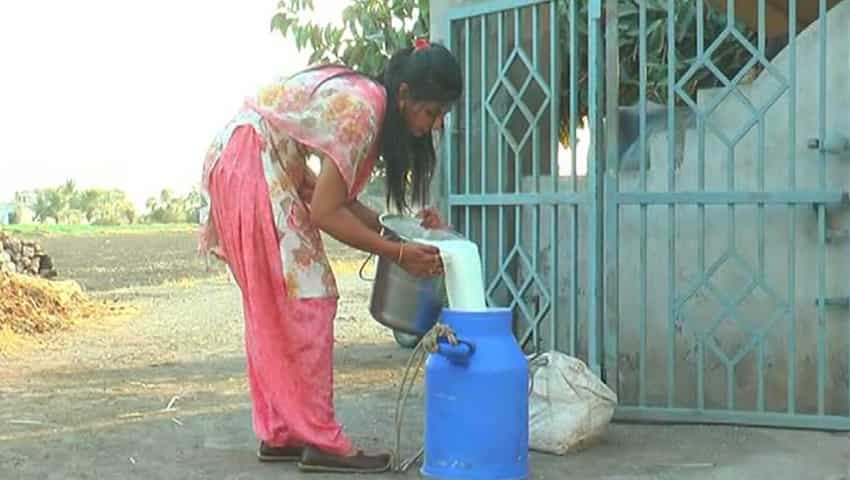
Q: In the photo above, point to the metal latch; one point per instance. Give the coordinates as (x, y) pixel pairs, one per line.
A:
(834, 302)
(833, 142)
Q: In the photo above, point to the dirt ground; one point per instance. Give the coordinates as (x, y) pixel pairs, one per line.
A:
(91, 403)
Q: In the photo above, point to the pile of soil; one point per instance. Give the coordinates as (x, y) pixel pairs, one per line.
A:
(31, 305)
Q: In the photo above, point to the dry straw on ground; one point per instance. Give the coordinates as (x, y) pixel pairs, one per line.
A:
(31, 305)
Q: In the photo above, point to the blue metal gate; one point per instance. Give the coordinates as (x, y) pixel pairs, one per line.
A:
(502, 176)
(699, 262)
(721, 251)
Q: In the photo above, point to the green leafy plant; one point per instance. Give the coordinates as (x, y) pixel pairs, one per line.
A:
(371, 30)
(729, 56)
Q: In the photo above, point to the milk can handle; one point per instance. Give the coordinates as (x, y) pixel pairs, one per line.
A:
(461, 352)
(363, 267)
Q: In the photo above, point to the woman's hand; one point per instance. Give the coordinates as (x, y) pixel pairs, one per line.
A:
(431, 219)
(421, 260)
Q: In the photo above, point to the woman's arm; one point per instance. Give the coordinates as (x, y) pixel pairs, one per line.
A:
(361, 211)
(366, 215)
(331, 212)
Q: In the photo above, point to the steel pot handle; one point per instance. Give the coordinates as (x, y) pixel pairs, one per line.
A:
(363, 267)
(460, 352)
(385, 232)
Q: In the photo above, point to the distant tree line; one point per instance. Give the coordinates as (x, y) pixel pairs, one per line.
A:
(67, 204)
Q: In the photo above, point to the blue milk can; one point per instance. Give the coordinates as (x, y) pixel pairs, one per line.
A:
(476, 401)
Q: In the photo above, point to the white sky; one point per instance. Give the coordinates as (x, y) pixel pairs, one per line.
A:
(120, 94)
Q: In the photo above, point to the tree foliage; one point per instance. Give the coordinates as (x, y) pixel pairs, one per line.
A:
(170, 208)
(105, 207)
(69, 205)
(66, 204)
(729, 56)
(373, 29)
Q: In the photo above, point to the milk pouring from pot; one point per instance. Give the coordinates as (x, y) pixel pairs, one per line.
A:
(413, 305)
(464, 279)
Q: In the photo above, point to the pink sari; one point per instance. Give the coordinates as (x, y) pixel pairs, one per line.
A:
(256, 222)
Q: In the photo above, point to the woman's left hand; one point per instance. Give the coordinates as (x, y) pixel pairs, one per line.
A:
(431, 219)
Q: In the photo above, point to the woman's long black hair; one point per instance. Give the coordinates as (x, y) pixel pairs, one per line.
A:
(432, 74)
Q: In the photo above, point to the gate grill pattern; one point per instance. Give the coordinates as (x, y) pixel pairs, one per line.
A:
(715, 229)
(502, 178)
(717, 327)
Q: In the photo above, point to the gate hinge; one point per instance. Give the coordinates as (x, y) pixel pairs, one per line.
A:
(834, 302)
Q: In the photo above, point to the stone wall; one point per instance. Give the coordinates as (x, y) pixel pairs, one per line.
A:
(24, 256)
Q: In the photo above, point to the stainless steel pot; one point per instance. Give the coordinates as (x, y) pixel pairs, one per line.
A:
(399, 300)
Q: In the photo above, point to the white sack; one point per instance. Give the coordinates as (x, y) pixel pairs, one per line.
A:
(568, 406)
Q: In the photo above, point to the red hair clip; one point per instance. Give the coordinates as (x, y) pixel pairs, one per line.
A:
(421, 43)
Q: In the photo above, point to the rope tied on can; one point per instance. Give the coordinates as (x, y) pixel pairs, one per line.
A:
(427, 345)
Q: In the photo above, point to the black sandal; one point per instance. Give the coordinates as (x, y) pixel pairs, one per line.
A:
(267, 453)
(314, 460)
